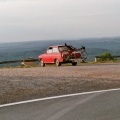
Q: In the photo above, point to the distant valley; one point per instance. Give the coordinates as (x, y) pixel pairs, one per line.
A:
(22, 50)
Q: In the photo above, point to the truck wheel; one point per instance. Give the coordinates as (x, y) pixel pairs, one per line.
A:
(74, 63)
(42, 64)
(57, 63)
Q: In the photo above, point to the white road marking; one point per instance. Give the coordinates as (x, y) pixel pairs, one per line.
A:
(55, 97)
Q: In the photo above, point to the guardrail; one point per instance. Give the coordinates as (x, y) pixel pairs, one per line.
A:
(96, 57)
(17, 61)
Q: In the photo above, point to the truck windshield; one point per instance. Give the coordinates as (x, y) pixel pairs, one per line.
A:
(63, 48)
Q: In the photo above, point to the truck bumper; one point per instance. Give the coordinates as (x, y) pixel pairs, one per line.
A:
(76, 60)
(72, 60)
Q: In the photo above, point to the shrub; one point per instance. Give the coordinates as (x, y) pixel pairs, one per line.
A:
(106, 56)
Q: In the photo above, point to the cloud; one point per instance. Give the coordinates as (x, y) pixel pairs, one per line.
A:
(34, 19)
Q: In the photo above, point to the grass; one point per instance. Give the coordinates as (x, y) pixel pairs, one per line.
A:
(67, 64)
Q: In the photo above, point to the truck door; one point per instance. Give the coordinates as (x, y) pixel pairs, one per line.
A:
(47, 58)
(55, 54)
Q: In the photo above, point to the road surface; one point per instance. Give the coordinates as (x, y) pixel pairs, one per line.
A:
(94, 106)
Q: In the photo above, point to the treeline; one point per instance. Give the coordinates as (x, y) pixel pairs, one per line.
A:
(7, 56)
(23, 50)
(92, 52)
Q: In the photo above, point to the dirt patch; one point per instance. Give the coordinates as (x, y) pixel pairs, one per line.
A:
(18, 84)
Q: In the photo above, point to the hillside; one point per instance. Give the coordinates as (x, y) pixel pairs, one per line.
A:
(21, 50)
(104, 43)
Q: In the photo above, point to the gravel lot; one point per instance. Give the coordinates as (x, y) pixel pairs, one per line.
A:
(17, 84)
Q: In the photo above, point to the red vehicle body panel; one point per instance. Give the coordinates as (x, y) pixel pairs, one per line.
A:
(50, 57)
(64, 54)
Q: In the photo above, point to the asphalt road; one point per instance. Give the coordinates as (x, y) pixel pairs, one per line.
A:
(95, 106)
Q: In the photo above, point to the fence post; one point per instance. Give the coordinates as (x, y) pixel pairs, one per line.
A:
(96, 59)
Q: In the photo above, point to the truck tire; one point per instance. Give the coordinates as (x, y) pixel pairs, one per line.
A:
(42, 64)
(74, 63)
(57, 62)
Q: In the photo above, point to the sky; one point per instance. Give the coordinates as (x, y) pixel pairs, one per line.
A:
(29, 20)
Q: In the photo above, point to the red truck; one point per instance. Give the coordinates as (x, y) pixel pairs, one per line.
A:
(62, 54)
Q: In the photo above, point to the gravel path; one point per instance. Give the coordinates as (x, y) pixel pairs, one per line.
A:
(18, 84)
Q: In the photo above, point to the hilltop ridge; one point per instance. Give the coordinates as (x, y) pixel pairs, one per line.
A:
(94, 46)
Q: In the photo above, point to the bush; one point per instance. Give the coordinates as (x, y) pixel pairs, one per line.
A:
(106, 56)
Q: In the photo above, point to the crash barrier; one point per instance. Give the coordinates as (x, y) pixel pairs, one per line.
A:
(23, 62)
(97, 57)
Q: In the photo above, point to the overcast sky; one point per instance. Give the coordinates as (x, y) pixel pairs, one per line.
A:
(28, 20)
